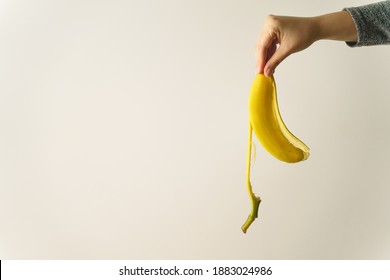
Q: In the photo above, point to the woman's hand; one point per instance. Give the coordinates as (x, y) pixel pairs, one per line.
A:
(282, 36)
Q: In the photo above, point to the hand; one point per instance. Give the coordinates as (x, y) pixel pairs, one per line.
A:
(280, 37)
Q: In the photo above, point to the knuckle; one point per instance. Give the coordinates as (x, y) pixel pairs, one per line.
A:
(276, 62)
(272, 20)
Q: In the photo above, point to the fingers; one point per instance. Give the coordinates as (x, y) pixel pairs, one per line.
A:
(272, 45)
(269, 55)
(265, 45)
(277, 57)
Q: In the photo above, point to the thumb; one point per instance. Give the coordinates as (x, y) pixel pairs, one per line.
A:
(280, 54)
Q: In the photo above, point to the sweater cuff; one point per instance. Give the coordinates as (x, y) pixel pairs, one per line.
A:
(372, 24)
(354, 16)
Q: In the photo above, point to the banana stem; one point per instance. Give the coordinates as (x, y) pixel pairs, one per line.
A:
(255, 199)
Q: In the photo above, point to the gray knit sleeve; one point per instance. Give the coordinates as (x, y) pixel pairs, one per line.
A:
(372, 24)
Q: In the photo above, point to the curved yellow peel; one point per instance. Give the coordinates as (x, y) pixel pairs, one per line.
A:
(268, 125)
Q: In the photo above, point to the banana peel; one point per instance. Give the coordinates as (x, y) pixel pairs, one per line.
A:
(266, 121)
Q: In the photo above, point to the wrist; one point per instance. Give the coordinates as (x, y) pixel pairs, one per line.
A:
(335, 26)
(317, 31)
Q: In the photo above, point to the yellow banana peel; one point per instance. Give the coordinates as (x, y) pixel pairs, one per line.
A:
(265, 120)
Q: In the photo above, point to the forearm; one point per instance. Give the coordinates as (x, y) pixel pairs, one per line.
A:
(335, 26)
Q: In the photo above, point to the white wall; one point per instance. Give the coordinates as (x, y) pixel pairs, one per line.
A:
(123, 132)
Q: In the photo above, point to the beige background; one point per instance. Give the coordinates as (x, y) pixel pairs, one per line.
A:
(123, 133)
